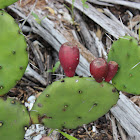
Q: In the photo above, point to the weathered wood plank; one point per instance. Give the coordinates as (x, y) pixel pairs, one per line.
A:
(135, 5)
(105, 22)
(128, 115)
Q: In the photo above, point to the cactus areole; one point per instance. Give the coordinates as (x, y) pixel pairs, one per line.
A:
(69, 58)
(99, 69)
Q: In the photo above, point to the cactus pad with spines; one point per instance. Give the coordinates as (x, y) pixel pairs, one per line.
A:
(126, 52)
(72, 102)
(14, 119)
(13, 54)
(5, 3)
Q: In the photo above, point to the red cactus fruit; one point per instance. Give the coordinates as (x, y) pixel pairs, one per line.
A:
(69, 58)
(99, 80)
(99, 69)
(112, 70)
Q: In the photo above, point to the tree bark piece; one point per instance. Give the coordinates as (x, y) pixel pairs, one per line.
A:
(30, 72)
(121, 131)
(89, 41)
(37, 56)
(135, 5)
(128, 115)
(126, 29)
(99, 3)
(49, 66)
(114, 128)
(54, 135)
(100, 46)
(105, 22)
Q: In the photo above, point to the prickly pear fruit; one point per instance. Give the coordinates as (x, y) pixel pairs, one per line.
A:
(112, 70)
(13, 53)
(14, 120)
(99, 69)
(72, 102)
(69, 58)
(126, 52)
(5, 3)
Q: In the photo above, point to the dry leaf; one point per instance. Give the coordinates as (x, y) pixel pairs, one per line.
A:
(50, 10)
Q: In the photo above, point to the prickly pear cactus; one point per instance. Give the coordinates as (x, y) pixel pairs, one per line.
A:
(126, 52)
(72, 102)
(5, 3)
(14, 119)
(13, 54)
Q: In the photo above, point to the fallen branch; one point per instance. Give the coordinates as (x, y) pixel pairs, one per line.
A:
(89, 40)
(105, 22)
(114, 128)
(30, 72)
(135, 5)
(100, 3)
(128, 115)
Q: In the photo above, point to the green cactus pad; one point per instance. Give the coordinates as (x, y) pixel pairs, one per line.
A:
(72, 102)
(14, 120)
(13, 54)
(5, 3)
(126, 52)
